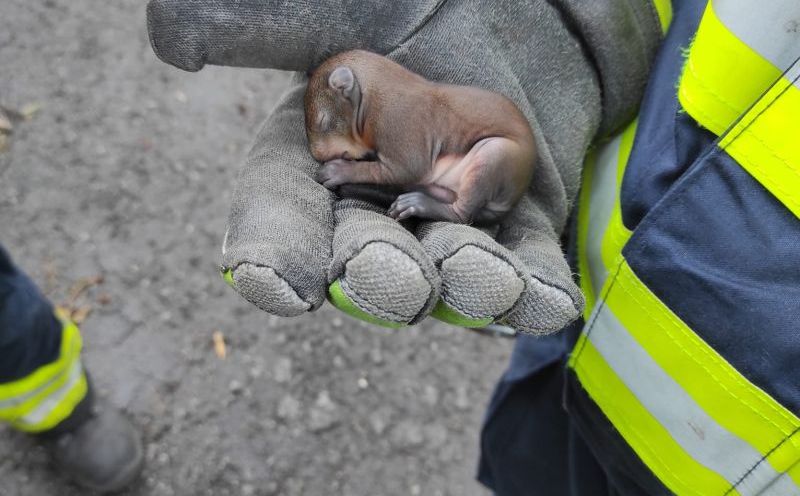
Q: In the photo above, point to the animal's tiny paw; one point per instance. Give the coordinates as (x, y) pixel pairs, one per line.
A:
(412, 204)
(333, 173)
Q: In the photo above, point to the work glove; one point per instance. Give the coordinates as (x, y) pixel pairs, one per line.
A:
(290, 243)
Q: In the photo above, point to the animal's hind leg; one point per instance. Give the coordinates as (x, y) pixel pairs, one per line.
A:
(489, 187)
(487, 190)
(419, 204)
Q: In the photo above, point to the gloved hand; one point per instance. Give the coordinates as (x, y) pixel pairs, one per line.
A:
(290, 242)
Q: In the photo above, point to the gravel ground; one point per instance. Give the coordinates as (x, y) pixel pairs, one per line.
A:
(125, 171)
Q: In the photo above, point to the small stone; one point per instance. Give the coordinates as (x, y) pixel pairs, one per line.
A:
(363, 383)
(462, 397)
(235, 387)
(336, 322)
(436, 435)
(256, 371)
(282, 372)
(407, 434)
(338, 361)
(378, 421)
(288, 408)
(430, 395)
(376, 356)
(416, 490)
(324, 414)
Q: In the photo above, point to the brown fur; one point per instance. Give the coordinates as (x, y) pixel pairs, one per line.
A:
(457, 153)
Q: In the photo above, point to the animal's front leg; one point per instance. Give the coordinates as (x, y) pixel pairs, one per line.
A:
(419, 204)
(339, 171)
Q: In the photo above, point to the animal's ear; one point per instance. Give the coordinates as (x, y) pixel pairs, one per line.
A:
(343, 81)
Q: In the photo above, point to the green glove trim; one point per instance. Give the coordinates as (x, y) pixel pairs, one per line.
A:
(227, 276)
(340, 300)
(446, 313)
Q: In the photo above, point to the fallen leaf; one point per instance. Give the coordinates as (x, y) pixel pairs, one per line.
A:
(75, 315)
(81, 285)
(29, 110)
(5, 124)
(219, 345)
(79, 314)
(63, 313)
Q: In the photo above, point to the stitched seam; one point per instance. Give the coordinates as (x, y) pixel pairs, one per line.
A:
(600, 303)
(712, 358)
(708, 89)
(680, 198)
(424, 22)
(747, 128)
(765, 178)
(460, 308)
(761, 460)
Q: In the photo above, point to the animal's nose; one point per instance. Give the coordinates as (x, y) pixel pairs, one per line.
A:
(346, 156)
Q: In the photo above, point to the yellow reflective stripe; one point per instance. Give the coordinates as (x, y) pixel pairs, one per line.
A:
(700, 370)
(728, 397)
(765, 141)
(769, 28)
(70, 347)
(31, 402)
(721, 406)
(716, 60)
(664, 11)
(43, 399)
(648, 438)
(58, 406)
(784, 485)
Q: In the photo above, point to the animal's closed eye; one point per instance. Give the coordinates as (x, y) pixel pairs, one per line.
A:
(323, 121)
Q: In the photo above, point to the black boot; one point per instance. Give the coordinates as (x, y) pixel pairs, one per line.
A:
(97, 447)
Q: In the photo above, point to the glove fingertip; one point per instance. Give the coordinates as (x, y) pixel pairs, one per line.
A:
(445, 313)
(338, 298)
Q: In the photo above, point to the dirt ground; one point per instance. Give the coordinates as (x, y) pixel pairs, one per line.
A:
(124, 169)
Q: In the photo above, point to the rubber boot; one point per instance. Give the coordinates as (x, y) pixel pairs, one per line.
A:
(96, 447)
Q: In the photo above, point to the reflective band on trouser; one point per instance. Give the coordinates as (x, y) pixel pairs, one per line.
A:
(664, 11)
(44, 398)
(601, 233)
(756, 45)
(696, 422)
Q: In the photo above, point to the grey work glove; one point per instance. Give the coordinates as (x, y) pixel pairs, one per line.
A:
(290, 242)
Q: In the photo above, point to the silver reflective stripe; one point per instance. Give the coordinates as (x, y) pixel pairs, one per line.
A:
(38, 414)
(782, 486)
(601, 203)
(690, 426)
(769, 27)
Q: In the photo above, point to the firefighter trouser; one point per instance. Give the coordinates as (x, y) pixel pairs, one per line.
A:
(41, 377)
